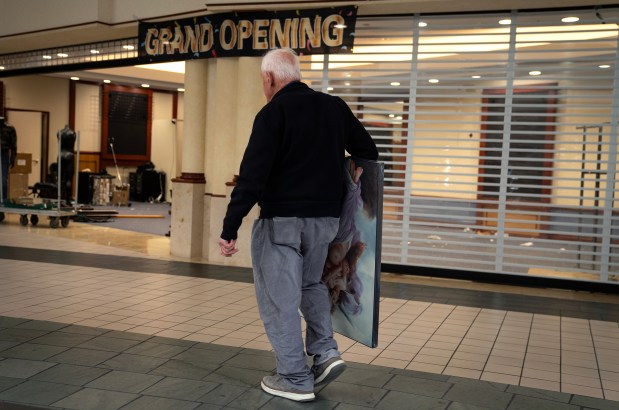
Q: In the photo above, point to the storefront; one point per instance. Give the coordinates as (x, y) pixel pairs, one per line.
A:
(498, 132)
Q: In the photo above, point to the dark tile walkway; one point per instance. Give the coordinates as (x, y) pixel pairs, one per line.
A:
(46, 365)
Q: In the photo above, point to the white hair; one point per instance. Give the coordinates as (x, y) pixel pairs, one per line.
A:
(283, 63)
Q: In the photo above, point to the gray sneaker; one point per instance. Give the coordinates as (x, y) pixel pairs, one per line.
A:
(276, 386)
(328, 371)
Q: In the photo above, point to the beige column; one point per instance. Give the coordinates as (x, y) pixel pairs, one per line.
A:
(186, 234)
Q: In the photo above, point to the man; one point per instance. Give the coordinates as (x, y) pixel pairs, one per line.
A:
(293, 167)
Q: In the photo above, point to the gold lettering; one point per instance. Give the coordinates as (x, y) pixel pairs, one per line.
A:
(244, 29)
(206, 31)
(227, 25)
(177, 43)
(165, 34)
(312, 34)
(151, 43)
(337, 38)
(260, 34)
(191, 38)
(294, 33)
(278, 36)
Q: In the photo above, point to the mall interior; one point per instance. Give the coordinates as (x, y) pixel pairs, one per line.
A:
(490, 272)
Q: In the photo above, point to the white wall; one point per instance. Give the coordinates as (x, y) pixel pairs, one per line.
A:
(88, 116)
(163, 138)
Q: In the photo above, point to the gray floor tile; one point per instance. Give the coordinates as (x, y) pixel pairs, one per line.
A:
(278, 403)
(41, 325)
(346, 406)
(237, 376)
(186, 370)
(110, 344)
(171, 341)
(6, 345)
(93, 399)
(479, 395)
(84, 330)
(149, 348)
(7, 321)
(398, 400)
(22, 369)
(37, 392)
(349, 393)
(424, 387)
(251, 399)
(133, 362)
(182, 389)
(20, 335)
(33, 351)
(540, 394)
(528, 403)
(223, 394)
(255, 362)
(211, 356)
(365, 377)
(160, 403)
(62, 339)
(594, 403)
(8, 382)
(83, 357)
(461, 406)
(70, 374)
(138, 337)
(124, 381)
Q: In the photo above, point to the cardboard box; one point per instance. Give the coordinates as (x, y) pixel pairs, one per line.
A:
(120, 197)
(23, 164)
(18, 185)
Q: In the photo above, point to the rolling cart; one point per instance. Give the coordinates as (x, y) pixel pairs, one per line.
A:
(58, 213)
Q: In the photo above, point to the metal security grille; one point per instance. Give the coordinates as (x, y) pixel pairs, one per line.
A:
(499, 137)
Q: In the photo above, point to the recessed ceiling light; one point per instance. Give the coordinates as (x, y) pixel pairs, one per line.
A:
(604, 66)
(1, 67)
(571, 19)
(329, 88)
(75, 78)
(423, 24)
(433, 80)
(505, 22)
(128, 47)
(63, 55)
(47, 57)
(348, 75)
(182, 90)
(145, 85)
(476, 76)
(535, 72)
(340, 26)
(391, 115)
(346, 83)
(94, 51)
(399, 117)
(394, 83)
(107, 81)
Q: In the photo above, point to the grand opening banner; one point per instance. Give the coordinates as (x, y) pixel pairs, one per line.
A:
(316, 31)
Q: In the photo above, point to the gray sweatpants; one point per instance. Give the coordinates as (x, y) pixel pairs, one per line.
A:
(288, 256)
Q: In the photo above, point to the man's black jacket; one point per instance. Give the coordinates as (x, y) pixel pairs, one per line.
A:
(294, 162)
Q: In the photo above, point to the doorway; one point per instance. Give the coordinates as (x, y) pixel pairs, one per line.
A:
(32, 128)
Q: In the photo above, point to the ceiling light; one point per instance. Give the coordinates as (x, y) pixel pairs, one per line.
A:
(348, 75)
(433, 80)
(128, 47)
(399, 117)
(476, 76)
(63, 55)
(347, 83)
(1, 67)
(145, 85)
(107, 81)
(329, 88)
(94, 51)
(535, 72)
(391, 115)
(423, 24)
(340, 26)
(47, 57)
(181, 90)
(604, 66)
(75, 78)
(570, 19)
(505, 22)
(395, 83)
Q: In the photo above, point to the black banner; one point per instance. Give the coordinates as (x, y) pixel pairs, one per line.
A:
(317, 31)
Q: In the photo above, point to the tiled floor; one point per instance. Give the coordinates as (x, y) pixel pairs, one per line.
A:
(93, 317)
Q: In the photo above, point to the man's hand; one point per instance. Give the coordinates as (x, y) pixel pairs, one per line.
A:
(227, 248)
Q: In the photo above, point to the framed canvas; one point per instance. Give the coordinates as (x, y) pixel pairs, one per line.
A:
(352, 269)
